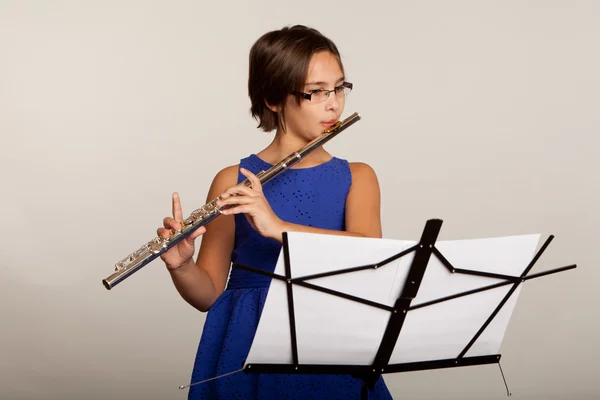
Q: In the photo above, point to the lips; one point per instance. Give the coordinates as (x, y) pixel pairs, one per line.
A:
(329, 123)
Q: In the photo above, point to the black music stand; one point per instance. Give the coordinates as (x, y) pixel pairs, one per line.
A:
(397, 312)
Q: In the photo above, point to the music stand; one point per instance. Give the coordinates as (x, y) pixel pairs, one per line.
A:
(429, 340)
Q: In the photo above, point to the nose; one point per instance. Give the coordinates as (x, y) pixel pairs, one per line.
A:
(332, 102)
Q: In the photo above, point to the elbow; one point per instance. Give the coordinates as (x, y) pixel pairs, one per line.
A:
(206, 305)
(203, 307)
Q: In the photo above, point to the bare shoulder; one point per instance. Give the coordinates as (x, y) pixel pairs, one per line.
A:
(363, 201)
(225, 178)
(362, 172)
(228, 173)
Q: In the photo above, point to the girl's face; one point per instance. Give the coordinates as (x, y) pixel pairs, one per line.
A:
(309, 119)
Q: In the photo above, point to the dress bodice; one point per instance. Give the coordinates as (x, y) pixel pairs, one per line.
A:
(314, 196)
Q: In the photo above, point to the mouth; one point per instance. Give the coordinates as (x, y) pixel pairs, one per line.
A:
(330, 123)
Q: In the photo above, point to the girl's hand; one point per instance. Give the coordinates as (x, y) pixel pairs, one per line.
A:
(252, 202)
(183, 251)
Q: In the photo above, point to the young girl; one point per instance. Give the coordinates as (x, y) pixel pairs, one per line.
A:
(297, 87)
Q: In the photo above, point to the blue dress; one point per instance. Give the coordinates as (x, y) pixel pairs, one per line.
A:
(309, 196)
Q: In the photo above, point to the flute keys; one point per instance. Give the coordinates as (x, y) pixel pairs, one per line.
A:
(157, 245)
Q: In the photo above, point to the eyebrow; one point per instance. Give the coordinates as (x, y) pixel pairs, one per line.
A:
(323, 83)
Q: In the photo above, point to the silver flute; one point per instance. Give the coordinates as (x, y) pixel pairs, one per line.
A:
(202, 216)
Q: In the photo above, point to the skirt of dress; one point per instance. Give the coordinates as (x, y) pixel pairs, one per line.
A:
(226, 340)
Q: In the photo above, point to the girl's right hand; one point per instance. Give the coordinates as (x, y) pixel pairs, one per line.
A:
(183, 251)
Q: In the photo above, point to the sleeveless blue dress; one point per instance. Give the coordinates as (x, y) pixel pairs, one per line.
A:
(309, 196)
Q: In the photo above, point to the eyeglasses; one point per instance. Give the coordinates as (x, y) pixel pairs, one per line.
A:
(319, 95)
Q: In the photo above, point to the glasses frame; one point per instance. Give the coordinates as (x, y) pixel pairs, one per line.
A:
(308, 96)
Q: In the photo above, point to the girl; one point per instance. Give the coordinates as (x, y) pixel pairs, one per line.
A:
(297, 87)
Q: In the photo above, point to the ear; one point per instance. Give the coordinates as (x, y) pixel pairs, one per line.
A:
(275, 109)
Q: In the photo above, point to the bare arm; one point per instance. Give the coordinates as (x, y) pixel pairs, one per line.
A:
(202, 282)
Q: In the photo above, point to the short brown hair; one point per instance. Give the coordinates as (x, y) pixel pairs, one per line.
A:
(278, 66)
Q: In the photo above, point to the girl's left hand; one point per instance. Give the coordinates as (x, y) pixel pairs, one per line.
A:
(252, 202)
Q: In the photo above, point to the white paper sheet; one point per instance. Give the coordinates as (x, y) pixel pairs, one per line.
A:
(334, 330)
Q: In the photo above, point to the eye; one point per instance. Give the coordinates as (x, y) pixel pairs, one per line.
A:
(316, 91)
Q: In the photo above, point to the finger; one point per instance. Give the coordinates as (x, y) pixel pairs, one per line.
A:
(235, 200)
(163, 232)
(227, 193)
(197, 233)
(237, 210)
(239, 190)
(171, 223)
(256, 185)
(177, 213)
(233, 191)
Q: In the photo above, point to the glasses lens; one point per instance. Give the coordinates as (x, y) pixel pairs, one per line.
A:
(347, 88)
(318, 96)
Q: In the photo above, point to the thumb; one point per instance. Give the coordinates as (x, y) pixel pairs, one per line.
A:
(192, 237)
(256, 185)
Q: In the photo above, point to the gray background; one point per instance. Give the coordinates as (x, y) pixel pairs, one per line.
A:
(481, 113)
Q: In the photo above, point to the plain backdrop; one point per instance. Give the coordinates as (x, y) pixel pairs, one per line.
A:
(482, 113)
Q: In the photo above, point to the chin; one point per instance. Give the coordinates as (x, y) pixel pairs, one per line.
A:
(316, 134)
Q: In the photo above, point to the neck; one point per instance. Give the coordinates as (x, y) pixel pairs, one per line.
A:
(285, 144)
